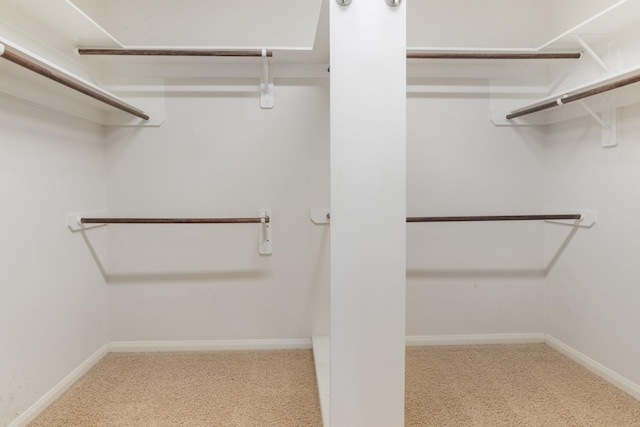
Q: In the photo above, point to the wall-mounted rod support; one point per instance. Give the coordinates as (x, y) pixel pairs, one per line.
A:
(258, 220)
(59, 77)
(592, 53)
(494, 218)
(565, 99)
(172, 52)
(493, 55)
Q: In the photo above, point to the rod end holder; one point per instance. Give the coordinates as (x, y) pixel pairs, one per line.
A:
(265, 244)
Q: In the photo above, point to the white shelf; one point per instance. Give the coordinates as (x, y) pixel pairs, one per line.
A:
(611, 20)
(621, 98)
(34, 88)
(66, 20)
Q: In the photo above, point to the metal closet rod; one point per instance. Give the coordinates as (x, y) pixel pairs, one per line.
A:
(257, 220)
(59, 77)
(494, 218)
(493, 55)
(574, 97)
(173, 52)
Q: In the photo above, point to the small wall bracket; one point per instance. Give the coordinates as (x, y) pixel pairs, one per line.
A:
(608, 121)
(588, 219)
(265, 246)
(74, 224)
(589, 51)
(266, 85)
(320, 216)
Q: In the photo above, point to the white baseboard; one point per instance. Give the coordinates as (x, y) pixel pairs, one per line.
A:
(46, 400)
(212, 345)
(322, 359)
(427, 340)
(595, 367)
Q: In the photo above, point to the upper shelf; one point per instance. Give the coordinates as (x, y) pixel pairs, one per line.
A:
(611, 20)
(21, 57)
(238, 24)
(66, 20)
(596, 87)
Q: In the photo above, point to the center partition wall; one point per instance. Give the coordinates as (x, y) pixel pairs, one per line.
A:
(368, 213)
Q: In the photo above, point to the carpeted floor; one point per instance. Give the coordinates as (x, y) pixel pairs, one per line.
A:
(509, 385)
(491, 385)
(219, 388)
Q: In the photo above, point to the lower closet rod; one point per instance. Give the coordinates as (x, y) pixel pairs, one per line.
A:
(174, 220)
(493, 218)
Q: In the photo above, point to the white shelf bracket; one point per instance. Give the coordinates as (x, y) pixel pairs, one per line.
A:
(265, 246)
(266, 86)
(73, 220)
(608, 122)
(588, 217)
(320, 215)
(591, 53)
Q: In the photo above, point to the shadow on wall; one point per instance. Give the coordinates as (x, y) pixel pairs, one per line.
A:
(175, 276)
(518, 273)
(475, 274)
(194, 276)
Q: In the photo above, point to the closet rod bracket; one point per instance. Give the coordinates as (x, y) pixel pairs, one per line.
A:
(589, 51)
(588, 217)
(265, 246)
(320, 215)
(266, 85)
(74, 220)
(607, 121)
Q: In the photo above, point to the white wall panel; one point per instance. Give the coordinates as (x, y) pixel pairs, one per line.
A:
(221, 156)
(482, 277)
(53, 300)
(592, 293)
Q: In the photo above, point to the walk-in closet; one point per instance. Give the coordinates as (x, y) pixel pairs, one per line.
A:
(339, 213)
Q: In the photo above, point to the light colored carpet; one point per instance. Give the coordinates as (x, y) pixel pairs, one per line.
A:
(491, 385)
(509, 385)
(218, 388)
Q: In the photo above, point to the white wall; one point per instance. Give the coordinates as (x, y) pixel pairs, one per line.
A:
(220, 156)
(592, 293)
(53, 300)
(472, 278)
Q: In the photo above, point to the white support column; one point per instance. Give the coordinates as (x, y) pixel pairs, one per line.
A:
(368, 213)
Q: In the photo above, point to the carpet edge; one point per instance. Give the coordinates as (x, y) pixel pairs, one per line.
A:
(432, 340)
(41, 404)
(209, 345)
(597, 368)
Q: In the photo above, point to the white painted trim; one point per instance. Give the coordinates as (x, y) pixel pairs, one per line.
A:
(209, 345)
(427, 340)
(46, 400)
(597, 368)
(322, 361)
